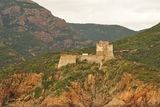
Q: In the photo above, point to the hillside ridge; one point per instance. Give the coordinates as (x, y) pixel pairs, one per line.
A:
(101, 31)
(143, 47)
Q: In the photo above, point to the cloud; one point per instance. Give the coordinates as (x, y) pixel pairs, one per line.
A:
(135, 14)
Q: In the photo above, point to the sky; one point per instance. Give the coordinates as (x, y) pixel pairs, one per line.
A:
(134, 14)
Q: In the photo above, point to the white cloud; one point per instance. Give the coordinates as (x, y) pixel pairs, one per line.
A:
(135, 14)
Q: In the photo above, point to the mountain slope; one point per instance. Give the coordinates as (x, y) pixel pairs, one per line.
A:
(29, 29)
(102, 32)
(144, 47)
(8, 55)
(24, 20)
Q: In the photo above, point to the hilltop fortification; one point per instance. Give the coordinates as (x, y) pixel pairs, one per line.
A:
(104, 52)
(104, 48)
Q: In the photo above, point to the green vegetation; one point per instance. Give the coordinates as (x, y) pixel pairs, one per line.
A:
(8, 55)
(141, 60)
(143, 48)
(75, 72)
(21, 41)
(142, 72)
(43, 63)
(59, 80)
(37, 92)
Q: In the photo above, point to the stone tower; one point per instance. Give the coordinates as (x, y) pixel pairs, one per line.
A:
(105, 49)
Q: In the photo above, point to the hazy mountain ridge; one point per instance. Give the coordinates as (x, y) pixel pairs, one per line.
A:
(102, 32)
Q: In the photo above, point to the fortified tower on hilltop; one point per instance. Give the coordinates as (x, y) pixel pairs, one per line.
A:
(105, 49)
(104, 52)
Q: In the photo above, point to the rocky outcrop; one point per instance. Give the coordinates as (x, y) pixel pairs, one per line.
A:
(45, 37)
(128, 92)
(136, 93)
(11, 11)
(35, 20)
(17, 86)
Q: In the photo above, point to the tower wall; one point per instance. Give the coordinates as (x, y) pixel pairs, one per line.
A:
(104, 48)
(67, 59)
(109, 54)
(92, 58)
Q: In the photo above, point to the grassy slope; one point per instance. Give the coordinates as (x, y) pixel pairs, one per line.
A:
(15, 42)
(102, 32)
(143, 48)
(20, 41)
(23, 44)
(7, 55)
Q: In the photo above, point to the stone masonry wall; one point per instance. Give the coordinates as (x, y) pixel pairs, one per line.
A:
(109, 55)
(67, 59)
(91, 58)
(104, 48)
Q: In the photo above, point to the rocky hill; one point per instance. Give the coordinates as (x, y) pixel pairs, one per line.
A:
(119, 83)
(28, 27)
(102, 32)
